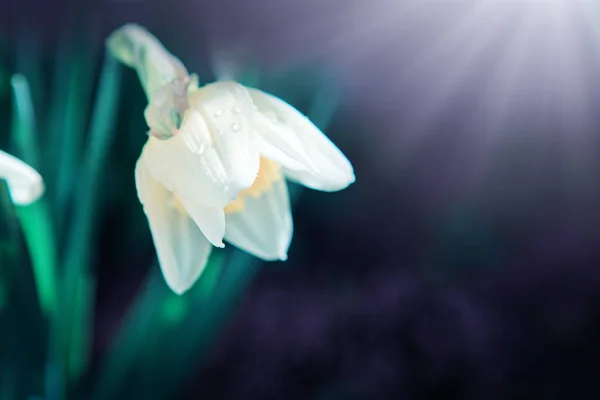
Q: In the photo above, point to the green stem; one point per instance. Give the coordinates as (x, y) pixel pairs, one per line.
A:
(24, 129)
(77, 301)
(37, 229)
(70, 138)
(35, 218)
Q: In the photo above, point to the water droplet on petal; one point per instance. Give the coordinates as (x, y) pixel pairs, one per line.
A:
(235, 127)
(236, 110)
(218, 113)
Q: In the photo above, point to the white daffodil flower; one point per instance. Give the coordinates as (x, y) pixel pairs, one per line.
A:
(25, 185)
(220, 175)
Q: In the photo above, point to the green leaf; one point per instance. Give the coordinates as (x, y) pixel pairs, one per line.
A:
(37, 229)
(35, 218)
(74, 336)
(24, 127)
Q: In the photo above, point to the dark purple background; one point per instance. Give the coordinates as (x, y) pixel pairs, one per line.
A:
(464, 261)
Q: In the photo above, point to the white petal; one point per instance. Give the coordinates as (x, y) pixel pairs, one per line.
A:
(181, 247)
(279, 143)
(210, 220)
(188, 164)
(228, 112)
(334, 171)
(268, 150)
(264, 227)
(24, 183)
(187, 182)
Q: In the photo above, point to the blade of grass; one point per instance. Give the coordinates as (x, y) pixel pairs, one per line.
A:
(37, 229)
(84, 305)
(24, 129)
(35, 218)
(56, 112)
(81, 230)
(72, 61)
(79, 88)
(28, 60)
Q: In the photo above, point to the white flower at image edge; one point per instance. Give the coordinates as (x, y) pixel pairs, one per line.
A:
(25, 184)
(222, 177)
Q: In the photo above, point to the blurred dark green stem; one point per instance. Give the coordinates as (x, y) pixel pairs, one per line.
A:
(24, 129)
(35, 222)
(68, 133)
(35, 218)
(77, 300)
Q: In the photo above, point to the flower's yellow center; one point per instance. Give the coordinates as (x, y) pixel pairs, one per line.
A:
(268, 173)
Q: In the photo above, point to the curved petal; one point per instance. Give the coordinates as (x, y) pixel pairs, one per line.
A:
(210, 220)
(187, 182)
(333, 170)
(228, 112)
(279, 143)
(137, 48)
(264, 227)
(24, 183)
(181, 247)
(164, 77)
(188, 164)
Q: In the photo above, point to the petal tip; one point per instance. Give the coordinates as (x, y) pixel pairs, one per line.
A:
(343, 178)
(29, 195)
(182, 283)
(177, 283)
(350, 179)
(179, 290)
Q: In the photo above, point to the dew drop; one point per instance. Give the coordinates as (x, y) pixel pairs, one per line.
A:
(218, 113)
(236, 110)
(235, 127)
